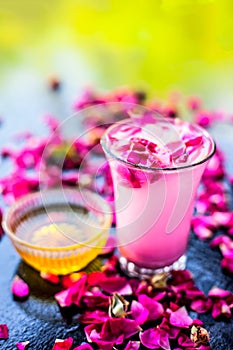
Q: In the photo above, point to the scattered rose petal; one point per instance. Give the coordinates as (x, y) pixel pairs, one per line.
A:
(54, 279)
(155, 338)
(227, 264)
(94, 317)
(138, 312)
(1, 229)
(113, 331)
(132, 345)
(201, 305)
(19, 288)
(185, 341)
(22, 345)
(63, 344)
(73, 294)
(4, 333)
(180, 318)
(84, 346)
(115, 284)
(216, 292)
(68, 280)
(154, 308)
(221, 310)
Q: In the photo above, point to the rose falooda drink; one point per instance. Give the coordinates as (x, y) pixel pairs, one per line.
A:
(156, 165)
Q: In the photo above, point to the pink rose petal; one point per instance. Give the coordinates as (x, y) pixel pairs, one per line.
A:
(132, 345)
(185, 341)
(227, 264)
(73, 294)
(138, 312)
(94, 317)
(155, 338)
(216, 292)
(4, 333)
(115, 284)
(22, 345)
(113, 331)
(221, 310)
(201, 305)
(223, 218)
(84, 346)
(68, 280)
(63, 344)
(19, 288)
(154, 308)
(180, 318)
(54, 279)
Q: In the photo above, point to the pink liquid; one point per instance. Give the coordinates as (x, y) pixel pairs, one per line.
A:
(156, 169)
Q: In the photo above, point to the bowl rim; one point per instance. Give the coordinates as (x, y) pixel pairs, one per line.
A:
(11, 210)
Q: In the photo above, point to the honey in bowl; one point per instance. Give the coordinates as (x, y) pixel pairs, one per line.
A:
(59, 232)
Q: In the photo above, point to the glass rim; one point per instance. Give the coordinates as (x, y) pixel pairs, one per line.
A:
(10, 212)
(147, 168)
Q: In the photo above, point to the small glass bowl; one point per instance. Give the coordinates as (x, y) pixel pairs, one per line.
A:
(58, 231)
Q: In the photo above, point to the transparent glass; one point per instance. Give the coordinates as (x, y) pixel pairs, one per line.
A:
(154, 205)
(58, 231)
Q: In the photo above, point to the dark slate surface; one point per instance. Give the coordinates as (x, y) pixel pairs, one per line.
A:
(38, 319)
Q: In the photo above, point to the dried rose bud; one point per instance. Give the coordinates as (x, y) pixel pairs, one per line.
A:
(159, 280)
(199, 335)
(118, 306)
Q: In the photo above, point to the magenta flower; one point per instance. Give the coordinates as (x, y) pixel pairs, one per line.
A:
(4, 333)
(19, 288)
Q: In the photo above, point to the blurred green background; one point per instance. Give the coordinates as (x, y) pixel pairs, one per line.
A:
(157, 45)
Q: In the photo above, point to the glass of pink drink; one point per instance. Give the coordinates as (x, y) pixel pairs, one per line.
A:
(156, 165)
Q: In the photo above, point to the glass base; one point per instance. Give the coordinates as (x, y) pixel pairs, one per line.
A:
(133, 270)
